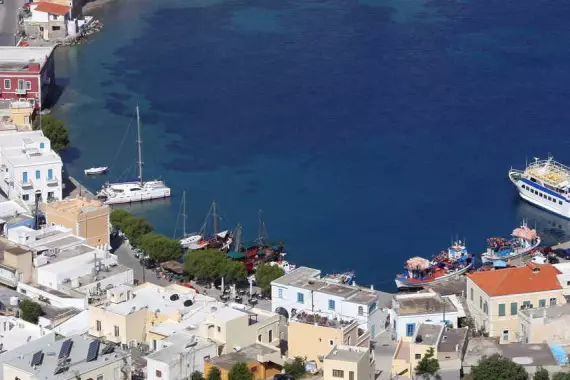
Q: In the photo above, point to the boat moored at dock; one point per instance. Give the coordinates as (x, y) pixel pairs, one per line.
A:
(421, 272)
(95, 171)
(523, 242)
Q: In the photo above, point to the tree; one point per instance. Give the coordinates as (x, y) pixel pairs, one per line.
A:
(54, 130)
(561, 376)
(296, 367)
(234, 271)
(159, 247)
(30, 311)
(266, 273)
(135, 228)
(119, 218)
(497, 367)
(205, 265)
(196, 375)
(214, 374)
(428, 366)
(541, 374)
(240, 371)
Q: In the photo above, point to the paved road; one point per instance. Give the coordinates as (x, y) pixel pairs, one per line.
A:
(9, 21)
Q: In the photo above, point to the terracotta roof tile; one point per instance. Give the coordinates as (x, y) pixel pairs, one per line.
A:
(530, 278)
(56, 9)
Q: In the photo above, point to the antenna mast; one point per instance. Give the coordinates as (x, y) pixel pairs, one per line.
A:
(139, 142)
(184, 214)
(214, 217)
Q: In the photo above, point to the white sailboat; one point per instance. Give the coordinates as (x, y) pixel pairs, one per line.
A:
(135, 190)
(188, 240)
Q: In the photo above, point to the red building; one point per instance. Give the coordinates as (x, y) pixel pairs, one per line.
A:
(26, 73)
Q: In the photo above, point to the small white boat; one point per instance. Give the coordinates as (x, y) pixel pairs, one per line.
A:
(94, 171)
(193, 239)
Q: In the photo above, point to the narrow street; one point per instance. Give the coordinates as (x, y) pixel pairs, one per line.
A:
(9, 21)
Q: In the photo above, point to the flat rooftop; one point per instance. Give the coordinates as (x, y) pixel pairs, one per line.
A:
(178, 344)
(245, 355)
(10, 209)
(422, 303)
(15, 332)
(76, 206)
(78, 359)
(521, 353)
(428, 334)
(323, 320)
(452, 339)
(11, 247)
(347, 353)
(14, 58)
(551, 312)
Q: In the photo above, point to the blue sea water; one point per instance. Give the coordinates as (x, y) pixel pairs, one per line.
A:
(367, 131)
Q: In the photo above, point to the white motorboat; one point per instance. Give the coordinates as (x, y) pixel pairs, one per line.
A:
(95, 171)
(135, 190)
(190, 240)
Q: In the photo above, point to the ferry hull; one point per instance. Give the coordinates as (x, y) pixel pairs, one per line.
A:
(403, 283)
(524, 252)
(138, 198)
(529, 194)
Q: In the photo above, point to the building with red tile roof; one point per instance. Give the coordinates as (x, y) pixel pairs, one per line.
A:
(52, 8)
(495, 297)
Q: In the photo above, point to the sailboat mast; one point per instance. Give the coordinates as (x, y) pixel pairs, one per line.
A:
(139, 142)
(214, 217)
(184, 214)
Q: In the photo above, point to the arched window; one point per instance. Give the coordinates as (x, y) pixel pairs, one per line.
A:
(360, 310)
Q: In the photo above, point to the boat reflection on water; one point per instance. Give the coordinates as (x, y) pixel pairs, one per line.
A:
(551, 228)
(146, 207)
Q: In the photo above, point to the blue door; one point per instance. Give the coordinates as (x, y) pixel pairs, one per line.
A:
(25, 177)
(50, 173)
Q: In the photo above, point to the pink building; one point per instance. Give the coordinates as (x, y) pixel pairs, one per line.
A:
(26, 73)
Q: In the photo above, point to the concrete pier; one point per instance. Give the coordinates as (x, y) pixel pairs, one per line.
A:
(73, 189)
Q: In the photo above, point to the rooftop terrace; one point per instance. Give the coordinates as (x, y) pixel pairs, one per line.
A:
(428, 334)
(14, 58)
(348, 353)
(247, 354)
(323, 320)
(422, 303)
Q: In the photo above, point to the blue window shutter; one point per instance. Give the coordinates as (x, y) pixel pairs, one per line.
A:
(50, 173)
(37, 174)
(410, 329)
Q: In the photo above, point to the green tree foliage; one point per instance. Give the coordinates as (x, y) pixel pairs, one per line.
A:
(54, 130)
(497, 367)
(561, 376)
(266, 273)
(295, 367)
(428, 365)
(212, 264)
(135, 228)
(541, 374)
(30, 311)
(240, 371)
(160, 247)
(196, 375)
(120, 218)
(214, 374)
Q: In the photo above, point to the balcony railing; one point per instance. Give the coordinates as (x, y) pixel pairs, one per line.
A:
(52, 181)
(26, 184)
(21, 91)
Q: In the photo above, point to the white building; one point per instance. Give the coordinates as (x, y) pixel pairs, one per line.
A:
(29, 167)
(410, 310)
(87, 359)
(178, 356)
(305, 289)
(15, 332)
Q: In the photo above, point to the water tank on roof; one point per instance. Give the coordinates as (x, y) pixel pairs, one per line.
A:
(174, 297)
(188, 303)
(14, 301)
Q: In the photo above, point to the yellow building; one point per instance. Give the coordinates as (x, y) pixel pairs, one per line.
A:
(263, 361)
(448, 347)
(496, 297)
(86, 218)
(21, 113)
(313, 335)
(349, 362)
(546, 325)
(15, 263)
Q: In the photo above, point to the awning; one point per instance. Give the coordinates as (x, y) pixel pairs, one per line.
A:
(236, 255)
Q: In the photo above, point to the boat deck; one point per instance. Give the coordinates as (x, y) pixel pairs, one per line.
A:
(550, 172)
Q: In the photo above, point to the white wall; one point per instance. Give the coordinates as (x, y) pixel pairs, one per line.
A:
(60, 302)
(399, 323)
(126, 277)
(38, 16)
(182, 366)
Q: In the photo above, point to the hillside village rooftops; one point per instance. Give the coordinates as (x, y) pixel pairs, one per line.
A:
(76, 206)
(422, 303)
(530, 278)
(17, 58)
(551, 312)
(347, 353)
(428, 334)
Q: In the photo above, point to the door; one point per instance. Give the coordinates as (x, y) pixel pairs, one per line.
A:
(50, 174)
(21, 84)
(25, 177)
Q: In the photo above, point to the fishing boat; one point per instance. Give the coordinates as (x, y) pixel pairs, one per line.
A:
(545, 184)
(188, 240)
(95, 171)
(134, 190)
(524, 241)
(346, 278)
(421, 272)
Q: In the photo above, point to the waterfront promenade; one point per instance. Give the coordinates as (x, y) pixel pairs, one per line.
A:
(9, 21)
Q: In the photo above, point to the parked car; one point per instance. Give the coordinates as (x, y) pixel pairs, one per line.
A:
(562, 253)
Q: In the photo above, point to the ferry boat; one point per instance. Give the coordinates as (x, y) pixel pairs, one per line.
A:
(134, 190)
(422, 272)
(523, 242)
(546, 184)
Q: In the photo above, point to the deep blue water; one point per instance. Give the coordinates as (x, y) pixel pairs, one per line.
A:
(367, 131)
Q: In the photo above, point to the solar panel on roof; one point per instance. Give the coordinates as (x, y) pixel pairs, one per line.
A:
(65, 349)
(61, 369)
(93, 351)
(37, 359)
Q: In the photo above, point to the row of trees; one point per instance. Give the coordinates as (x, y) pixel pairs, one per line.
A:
(54, 130)
(211, 264)
(239, 371)
(140, 234)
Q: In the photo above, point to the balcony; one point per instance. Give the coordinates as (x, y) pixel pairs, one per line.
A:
(26, 184)
(52, 181)
(21, 91)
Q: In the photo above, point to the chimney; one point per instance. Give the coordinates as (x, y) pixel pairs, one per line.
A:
(533, 267)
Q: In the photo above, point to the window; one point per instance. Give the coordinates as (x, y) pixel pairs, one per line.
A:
(219, 329)
(418, 356)
(486, 308)
(207, 357)
(28, 85)
(331, 342)
(21, 83)
(560, 202)
(7, 84)
(116, 330)
(280, 293)
(338, 373)
(502, 311)
(410, 328)
(480, 302)
(98, 325)
(259, 338)
(50, 195)
(99, 377)
(55, 28)
(253, 369)
(300, 298)
(270, 336)
(26, 197)
(158, 373)
(25, 177)
(541, 303)
(553, 302)
(472, 293)
(42, 145)
(350, 375)
(505, 335)
(50, 173)
(514, 308)
(360, 310)
(331, 304)
(38, 176)
(372, 307)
